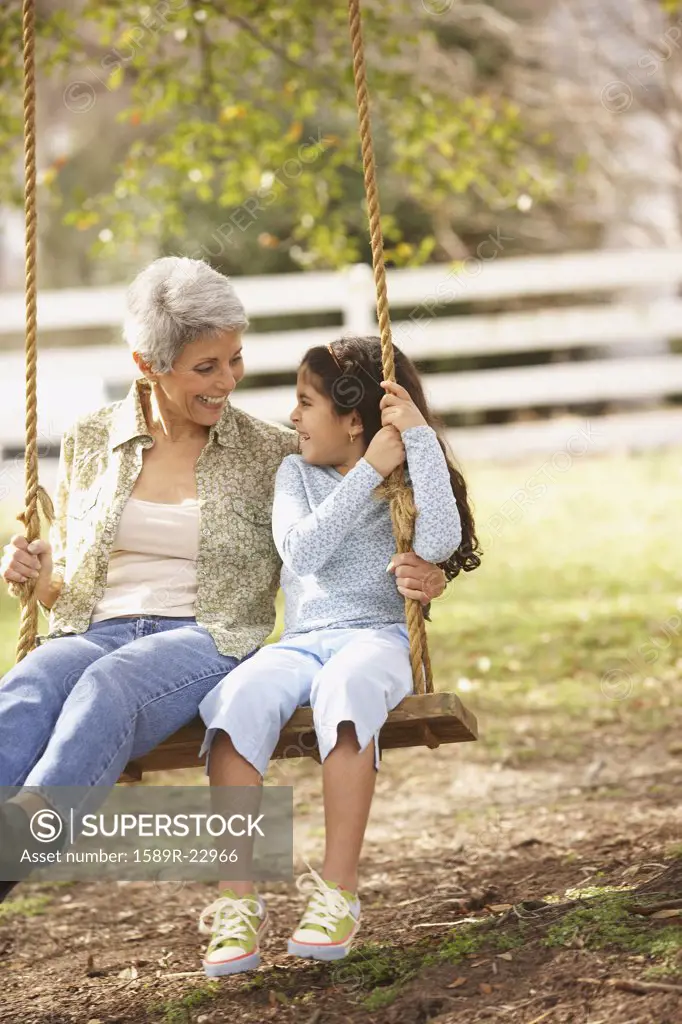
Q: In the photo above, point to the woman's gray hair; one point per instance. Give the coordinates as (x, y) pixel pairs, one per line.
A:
(174, 301)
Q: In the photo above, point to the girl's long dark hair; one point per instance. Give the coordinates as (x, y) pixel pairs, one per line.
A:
(354, 383)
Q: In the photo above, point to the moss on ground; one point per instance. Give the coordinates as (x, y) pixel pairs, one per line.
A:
(179, 1011)
(604, 922)
(383, 971)
(24, 906)
(377, 974)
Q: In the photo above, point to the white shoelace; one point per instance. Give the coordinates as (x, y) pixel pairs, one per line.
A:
(326, 907)
(231, 918)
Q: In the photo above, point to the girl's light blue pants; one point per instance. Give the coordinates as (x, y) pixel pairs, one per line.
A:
(346, 675)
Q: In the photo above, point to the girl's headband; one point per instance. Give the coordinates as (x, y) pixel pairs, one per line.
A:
(334, 356)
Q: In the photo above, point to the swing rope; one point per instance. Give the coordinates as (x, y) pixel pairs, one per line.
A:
(395, 489)
(35, 495)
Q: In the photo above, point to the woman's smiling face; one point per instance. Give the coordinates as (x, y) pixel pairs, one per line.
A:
(203, 377)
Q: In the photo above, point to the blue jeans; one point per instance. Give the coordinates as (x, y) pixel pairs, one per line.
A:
(79, 707)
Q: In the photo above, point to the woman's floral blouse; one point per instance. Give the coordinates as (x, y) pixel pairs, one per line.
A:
(238, 566)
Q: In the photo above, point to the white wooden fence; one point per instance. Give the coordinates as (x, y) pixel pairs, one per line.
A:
(75, 380)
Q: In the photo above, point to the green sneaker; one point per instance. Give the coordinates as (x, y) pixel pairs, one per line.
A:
(330, 922)
(239, 923)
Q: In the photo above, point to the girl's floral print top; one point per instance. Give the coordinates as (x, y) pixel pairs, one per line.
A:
(238, 566)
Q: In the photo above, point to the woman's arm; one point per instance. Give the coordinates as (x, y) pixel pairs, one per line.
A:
(305, 538)
(438, 528)
(48, 591)
(58, 530)
(417, 579)
(52, 556)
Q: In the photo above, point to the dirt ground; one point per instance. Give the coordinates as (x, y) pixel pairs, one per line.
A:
(494, 888)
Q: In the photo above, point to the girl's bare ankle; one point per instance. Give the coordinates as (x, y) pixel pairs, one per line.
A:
(343, 880)
(240, 888)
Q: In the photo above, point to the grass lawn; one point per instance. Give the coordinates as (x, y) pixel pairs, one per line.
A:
(575, 615)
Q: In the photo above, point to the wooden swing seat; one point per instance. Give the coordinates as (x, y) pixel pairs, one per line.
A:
(425, 719)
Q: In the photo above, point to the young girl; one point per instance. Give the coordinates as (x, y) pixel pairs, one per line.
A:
(344, 649)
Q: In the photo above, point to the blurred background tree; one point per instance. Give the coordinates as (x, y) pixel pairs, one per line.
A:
(229, 130)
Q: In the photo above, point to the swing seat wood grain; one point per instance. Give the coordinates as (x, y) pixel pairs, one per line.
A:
(420, 720)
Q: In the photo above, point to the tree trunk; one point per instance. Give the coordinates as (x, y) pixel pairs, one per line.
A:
(619, 50)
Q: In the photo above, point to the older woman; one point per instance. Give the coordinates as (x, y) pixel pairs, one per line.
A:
(162, 572)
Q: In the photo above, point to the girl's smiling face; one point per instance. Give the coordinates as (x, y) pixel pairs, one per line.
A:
(324, 434)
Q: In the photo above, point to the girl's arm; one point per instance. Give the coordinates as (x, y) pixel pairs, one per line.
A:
(438, 529)
(305, 538)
